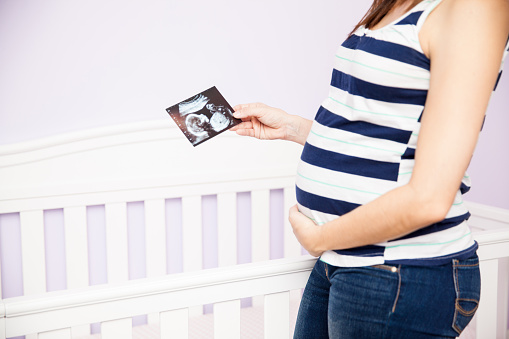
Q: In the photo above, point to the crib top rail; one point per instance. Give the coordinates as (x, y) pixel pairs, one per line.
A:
(135, 161)
(60, 309)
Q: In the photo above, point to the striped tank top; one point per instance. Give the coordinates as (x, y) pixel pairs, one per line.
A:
(363, 139)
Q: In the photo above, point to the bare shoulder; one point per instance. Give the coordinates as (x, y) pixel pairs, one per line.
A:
(472, 12)
(466, 20)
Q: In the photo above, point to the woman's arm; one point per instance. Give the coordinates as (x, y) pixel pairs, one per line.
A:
(267, 123)
(465, 45)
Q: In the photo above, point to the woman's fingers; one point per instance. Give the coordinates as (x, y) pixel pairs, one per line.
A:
(243, 125)
(306, 231)
(261, 121)
(245, 128)
(246, 132)
(249, 110)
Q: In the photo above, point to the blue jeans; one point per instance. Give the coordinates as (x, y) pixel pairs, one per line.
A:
(389, 301)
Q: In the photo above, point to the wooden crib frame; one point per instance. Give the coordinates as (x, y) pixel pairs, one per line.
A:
(152, 162)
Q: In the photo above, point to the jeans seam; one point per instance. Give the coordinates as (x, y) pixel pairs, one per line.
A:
(457, 290)
(474, 265)
(399, 289)
(462, 311)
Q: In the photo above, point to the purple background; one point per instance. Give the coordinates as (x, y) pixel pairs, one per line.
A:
(69, 65)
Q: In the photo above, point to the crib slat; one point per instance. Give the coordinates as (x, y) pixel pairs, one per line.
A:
(155, 237)
(292, 247)
(174, 324)
(486, 325)
(227, 229)
(64, 333)
(260, 225)
(155, 242)
(116, 242)
(227, 319)
(277, 315)
(76, 248)
(76, 254)
(191, 233)
(260, 231)
(32, 251)
(115, 329)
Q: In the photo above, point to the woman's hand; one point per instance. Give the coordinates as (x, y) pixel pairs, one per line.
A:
(307, 232)
(267, 123)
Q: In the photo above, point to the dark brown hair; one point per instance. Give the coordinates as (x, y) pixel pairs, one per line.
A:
(378, 10)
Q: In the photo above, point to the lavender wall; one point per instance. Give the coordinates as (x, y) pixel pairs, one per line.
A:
(69, 65)
(489, 168)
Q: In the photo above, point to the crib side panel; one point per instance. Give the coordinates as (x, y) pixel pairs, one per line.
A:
(223, 287)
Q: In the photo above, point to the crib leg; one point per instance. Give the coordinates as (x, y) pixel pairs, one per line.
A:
(174, 324)
(115, 329)
(486, 326)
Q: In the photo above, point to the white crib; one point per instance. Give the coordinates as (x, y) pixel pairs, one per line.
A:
(152, 163)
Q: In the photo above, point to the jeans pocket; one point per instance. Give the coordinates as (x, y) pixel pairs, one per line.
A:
(467, 282)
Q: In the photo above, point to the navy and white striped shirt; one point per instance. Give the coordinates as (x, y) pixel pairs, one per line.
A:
(363, 140)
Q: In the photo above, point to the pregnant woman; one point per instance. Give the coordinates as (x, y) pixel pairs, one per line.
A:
(382, 172)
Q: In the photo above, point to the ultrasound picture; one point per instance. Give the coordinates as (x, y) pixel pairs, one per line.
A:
(203, 116)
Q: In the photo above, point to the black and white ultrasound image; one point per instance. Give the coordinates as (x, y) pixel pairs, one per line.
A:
(203, 116)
